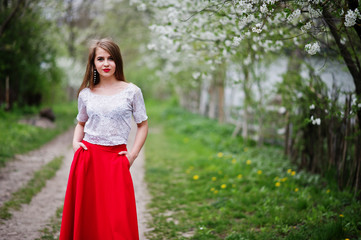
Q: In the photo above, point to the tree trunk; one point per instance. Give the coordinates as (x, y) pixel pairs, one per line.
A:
(221, 101)
(346, 55)
(204, 98)
(220, 80)
(7, 20)
(246, 102)
(212, 101)
(358, 172)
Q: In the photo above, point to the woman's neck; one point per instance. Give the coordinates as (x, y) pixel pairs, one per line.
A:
(108, 82)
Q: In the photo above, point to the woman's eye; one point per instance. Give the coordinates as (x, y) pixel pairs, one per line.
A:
(100, 59)
(110, 58)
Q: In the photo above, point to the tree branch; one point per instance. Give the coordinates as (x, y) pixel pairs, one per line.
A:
(7, 21)
(354, 70)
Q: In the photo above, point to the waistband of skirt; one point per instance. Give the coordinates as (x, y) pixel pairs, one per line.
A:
(116, 148)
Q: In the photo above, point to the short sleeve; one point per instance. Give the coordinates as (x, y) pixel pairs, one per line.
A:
(139, 112)
(82, 113)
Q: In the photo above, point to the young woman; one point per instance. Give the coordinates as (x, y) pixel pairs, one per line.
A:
(99, 202)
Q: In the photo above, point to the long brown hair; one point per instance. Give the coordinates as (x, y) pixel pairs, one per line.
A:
(113, 49)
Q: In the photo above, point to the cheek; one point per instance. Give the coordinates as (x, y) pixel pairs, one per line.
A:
(97, 65)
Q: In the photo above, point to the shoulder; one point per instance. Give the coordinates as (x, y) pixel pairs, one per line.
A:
(134, 88)
(84, 92)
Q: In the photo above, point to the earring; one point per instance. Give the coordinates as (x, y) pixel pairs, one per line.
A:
(95, 77)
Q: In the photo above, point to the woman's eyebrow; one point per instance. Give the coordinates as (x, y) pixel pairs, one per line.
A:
(103, 56)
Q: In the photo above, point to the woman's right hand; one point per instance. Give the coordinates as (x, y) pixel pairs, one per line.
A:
(77, 145)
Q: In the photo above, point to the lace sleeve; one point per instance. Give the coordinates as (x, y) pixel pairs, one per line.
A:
(82, 114)
(139, 112)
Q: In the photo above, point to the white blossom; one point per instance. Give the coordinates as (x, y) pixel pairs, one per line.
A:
(315, 121)
(237, 40)
(257, 28)
(306, 27)
(247, 60)
(312, 106)
(263, 8)
(296, 42)
(313, 48)
(294, 15)
(281, 131)
(351, 17)
(142, 7)
(196, 75)
(282, 110)
(343, 40)
(151, 46)
(315, 1)
(271, 1)
(315, 13)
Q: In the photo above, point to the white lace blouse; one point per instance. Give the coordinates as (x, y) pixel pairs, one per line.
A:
(108, 118)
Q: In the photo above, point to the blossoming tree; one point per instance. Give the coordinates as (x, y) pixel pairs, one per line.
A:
(212, 31)
(217, 29)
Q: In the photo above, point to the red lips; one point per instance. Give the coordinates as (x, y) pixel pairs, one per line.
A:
(106, 70)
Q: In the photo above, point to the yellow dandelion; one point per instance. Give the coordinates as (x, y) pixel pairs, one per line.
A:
(328, 191)
(223, 186)
(293, 173)
(214, 178)
(239, 176)
(289, 170)
(341, 215)
(259, 172)
(195, 177)
(213, 189)
(215, 192)
(248, 162)
(234, 160)
(278, 184)
(296, 189)
(220, 154)
(284, 179)
(347, 239)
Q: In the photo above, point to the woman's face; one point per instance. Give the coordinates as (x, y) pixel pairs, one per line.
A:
(104, 63)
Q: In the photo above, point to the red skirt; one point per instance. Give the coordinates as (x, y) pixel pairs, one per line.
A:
(99, 202)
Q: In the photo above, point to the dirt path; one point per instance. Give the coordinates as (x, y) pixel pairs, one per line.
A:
(26, 223)
(142, 196)
(16, 173)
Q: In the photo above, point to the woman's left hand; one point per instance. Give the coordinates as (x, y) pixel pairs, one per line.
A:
(130, 157)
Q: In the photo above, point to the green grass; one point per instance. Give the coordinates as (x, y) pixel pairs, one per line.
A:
(34, 186)
(209, 186)
(20, 138)
(50, 232)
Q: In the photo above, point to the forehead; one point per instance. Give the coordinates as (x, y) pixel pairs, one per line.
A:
(101, 52)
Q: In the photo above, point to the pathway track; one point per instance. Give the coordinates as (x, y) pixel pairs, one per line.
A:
(26, 223)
